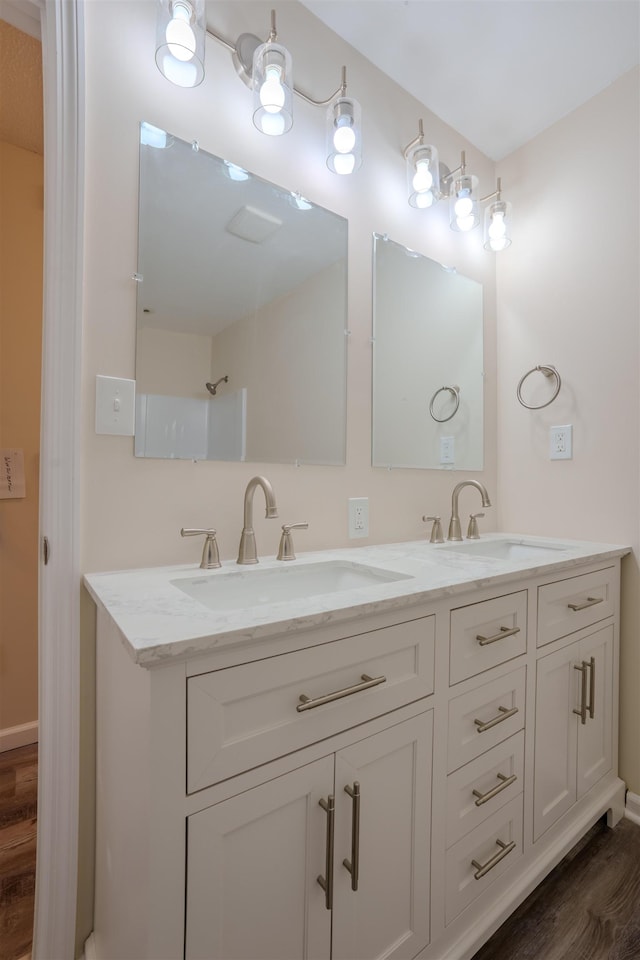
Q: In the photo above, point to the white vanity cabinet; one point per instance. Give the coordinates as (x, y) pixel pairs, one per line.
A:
(253, 860)
(390, 785)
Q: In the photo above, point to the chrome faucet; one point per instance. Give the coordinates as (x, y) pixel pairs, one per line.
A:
(454, 524)
(247, 550)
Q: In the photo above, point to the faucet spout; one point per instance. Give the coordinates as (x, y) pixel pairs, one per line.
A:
(455, 532)
(247, 552)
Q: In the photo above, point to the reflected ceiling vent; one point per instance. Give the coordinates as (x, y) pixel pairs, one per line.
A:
(253, 225)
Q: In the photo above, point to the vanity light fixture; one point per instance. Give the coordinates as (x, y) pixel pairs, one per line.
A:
(344, 132)
(272, 81)
(423, 171)
(429, 181)
(180, 32)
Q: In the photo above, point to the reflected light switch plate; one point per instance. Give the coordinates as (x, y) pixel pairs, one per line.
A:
(115, 406)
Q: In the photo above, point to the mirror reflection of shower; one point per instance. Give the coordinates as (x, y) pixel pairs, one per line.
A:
(212, 387)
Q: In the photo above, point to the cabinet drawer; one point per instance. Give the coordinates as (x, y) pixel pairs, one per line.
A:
(476, 861)
(570, 605)
(477, 790)
(483, 717)
(244, 716)
(486, 634)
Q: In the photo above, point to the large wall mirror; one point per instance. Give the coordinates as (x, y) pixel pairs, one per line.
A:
(427, 363)
(241, 314)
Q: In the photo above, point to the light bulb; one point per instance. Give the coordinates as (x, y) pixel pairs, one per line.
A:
(344, 163)
(465, 223)
(497, 227)
(181, 39)
(424, 200)
(272, 124)
(151, 136)
(463, 205)
(235, 172)
(272, 95)
(344, 137)
(498, 244)
(422, 178)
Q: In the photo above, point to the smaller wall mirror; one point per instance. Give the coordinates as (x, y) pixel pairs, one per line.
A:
(241, 314)
(427, 363)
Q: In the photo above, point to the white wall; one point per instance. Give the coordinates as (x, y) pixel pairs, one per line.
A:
(132, 510)
(568, 295)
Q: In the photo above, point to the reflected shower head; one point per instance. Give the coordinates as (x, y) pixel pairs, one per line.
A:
(212, 387)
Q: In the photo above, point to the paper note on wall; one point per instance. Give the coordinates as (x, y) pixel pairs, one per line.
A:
(11, 474)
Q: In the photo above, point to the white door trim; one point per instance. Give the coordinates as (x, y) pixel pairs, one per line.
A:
(59, 581)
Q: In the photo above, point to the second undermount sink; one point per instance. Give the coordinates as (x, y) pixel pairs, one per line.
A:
(256, 587)
(509, 548)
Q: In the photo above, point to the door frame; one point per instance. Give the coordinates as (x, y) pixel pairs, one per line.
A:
(62, 32)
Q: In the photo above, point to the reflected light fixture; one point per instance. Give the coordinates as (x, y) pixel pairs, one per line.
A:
(180, 33)
(464, 212)
(423, 171)
(272, 81)
(344, 132)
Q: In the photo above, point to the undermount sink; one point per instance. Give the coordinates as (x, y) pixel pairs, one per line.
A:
(511, 548)
(250, 588)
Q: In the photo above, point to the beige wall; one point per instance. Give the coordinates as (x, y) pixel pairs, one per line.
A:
(21, 200)
(132, 510)
(172, 364)
(568, 294)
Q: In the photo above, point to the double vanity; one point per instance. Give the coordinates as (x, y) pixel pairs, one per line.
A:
(364, 753)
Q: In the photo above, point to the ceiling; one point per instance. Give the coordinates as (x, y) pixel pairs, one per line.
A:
(498, 71)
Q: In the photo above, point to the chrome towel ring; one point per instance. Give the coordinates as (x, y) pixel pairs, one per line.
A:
(548, 371)
(455, 391)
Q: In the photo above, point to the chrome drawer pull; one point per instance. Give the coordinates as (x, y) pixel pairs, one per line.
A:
(307, 703)
(353, 865)
(504, 714)
(592, 687)
(483, 868)
(490, 794)
(582, 711)
(504, 632)
(329, 806)
(589, 602)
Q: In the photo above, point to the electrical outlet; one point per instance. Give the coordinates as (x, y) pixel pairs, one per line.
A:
(447, 449)
(561, 442)
(358, 517)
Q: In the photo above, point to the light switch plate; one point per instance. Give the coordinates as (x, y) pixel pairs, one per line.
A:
(115, 406)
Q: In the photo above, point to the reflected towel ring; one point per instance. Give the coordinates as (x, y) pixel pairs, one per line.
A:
(456, 394)
(548, 371)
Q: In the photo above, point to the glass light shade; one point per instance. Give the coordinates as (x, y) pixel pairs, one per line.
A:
(464, 209)
(272, 89)
(423, 176)
(180, 41)
(344, 136)
(497, 226)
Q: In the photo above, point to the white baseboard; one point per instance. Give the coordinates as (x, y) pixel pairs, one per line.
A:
(20, 736)
(632, 807)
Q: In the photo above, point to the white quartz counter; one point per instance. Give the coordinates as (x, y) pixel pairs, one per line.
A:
(158, 621)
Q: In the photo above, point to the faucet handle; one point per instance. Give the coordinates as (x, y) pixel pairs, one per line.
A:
(436, 530)
(472, 529)
(285, 550)
(210, 556)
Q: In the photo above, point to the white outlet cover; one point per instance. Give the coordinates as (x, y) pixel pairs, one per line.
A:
(115, 406)
(561, 442)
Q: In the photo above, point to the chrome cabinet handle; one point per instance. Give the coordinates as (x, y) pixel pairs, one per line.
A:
(504, 632)
(589, 602)
(329, 806)
(353, 865)
(592, 687)
(504, 714)
(582, 711)
(307, 703)
(483, 868)
(490, 794)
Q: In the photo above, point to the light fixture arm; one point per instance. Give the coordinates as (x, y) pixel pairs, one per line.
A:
(460, 169)
(244, 67)
(497, 193)
(415, 141)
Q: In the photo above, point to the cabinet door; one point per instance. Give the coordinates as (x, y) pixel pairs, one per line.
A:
(388, 915)
(595, 737)
(557, 693)
(252, 868)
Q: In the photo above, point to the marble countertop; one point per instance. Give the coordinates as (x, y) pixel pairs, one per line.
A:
(158, 621)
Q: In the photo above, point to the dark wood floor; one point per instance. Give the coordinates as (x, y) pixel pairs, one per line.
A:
(18, 807)
(588, 908)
